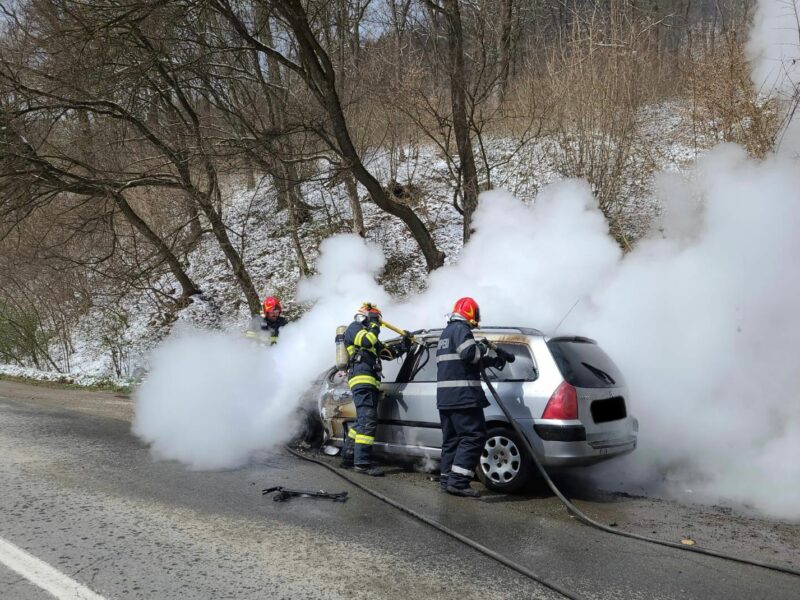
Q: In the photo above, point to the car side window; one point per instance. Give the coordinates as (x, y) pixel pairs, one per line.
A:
(522, 369)
(391, 368)
(425, 366)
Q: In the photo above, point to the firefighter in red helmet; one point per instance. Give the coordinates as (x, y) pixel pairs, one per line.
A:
(265, 328)
(460, 397)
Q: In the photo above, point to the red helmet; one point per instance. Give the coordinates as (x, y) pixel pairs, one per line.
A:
(469, 309)
(370, 311)
(272, 304)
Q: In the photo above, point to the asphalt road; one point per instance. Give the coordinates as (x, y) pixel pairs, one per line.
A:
(81, 495)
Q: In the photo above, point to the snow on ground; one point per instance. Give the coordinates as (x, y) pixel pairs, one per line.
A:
(81, 379)
(115, 343)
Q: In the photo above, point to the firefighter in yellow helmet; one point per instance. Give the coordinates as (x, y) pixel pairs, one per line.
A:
(364, 378)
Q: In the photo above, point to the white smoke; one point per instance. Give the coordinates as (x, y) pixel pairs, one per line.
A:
(207, 400)
(703, 323)
(773, 50)
(524, 266)
(212, 399)
(701, 317)
(773, 47)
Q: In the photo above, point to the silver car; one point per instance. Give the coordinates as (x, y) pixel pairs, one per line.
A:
(565, 393)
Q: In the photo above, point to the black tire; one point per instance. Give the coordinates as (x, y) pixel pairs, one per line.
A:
(505, 465)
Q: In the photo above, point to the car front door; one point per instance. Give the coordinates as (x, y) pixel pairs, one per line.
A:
(395, 373)
(410, 418)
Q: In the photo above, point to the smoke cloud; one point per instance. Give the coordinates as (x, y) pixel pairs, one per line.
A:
(773, 47)
(701, 318)
(702, 321)
(773, 50)
(212, 399)
(207, 400)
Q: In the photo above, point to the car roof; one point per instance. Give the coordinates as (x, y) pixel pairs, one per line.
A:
(573, 338)
(496, 329)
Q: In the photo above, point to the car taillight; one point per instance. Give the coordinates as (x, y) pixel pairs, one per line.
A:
(563, 404)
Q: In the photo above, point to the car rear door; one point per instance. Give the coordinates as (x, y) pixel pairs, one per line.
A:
(513, 382)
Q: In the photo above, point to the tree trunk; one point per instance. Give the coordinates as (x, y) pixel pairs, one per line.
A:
(458, 100)
(292, 201)
(250, 173)
(195, 228)
(320, 76)
(234, 258)
(288, 190)
(355, 204)
(188, 287)
(505, 49)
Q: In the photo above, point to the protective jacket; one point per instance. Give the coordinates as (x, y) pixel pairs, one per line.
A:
(365, 350)
(265, 330)
(458, 362)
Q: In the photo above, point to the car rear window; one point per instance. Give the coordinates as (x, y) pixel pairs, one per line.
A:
(584, 364)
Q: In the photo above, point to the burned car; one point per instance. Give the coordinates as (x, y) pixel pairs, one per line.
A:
(565, 393)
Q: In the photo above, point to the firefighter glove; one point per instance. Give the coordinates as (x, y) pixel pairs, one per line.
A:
(406, 344)
(494, 362)
(504, 355)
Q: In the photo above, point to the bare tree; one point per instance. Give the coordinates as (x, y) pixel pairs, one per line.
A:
(156, 74)
(30, 181)
(314, 66)
(458, 101)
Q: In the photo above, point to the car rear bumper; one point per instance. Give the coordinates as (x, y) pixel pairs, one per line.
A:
(570, 445)
(579, 454)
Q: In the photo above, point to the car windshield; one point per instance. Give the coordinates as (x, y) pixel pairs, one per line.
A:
(584, 364)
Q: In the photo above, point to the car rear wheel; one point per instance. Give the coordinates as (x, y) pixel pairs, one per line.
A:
(504, 465)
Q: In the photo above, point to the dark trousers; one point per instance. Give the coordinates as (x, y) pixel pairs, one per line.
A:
(463, 438)
(365, 397)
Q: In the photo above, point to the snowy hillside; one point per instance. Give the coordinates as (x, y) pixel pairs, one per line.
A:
(118, 348)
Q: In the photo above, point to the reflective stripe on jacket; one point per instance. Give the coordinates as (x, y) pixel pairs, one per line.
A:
(458, 379)
(364, 349)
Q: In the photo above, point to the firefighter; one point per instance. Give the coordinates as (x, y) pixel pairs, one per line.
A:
(364, 377)
(460, 398)
(265, 328)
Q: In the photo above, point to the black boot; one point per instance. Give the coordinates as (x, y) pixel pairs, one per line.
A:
(347, 454)
(466, 492)
(363, 461)
(369, 470)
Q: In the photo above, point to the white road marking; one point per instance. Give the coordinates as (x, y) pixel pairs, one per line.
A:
(43, 575)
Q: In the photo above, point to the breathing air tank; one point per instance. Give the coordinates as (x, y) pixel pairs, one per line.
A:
(342, 358)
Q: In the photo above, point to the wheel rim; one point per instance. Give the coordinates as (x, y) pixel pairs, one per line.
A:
(501, 459)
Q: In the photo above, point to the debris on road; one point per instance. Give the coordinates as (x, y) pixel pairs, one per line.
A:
(284, 494)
